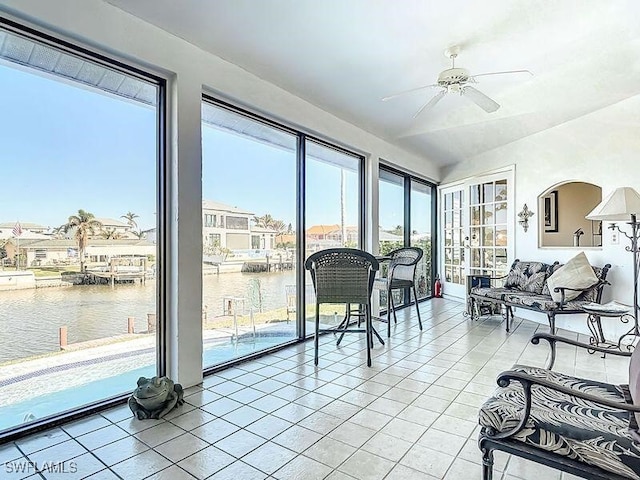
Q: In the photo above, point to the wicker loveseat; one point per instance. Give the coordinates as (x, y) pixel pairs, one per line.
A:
(580, 426)
(525, 286)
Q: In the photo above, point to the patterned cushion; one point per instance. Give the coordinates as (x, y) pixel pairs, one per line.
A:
(568, 426)
(527, 276)
(532, 300)
(487, 292)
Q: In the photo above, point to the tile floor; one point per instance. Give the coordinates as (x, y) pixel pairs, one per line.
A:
(412, 415)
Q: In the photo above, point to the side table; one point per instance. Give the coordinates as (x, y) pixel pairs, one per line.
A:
(594, 322)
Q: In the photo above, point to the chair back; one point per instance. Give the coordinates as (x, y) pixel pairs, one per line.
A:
(403, 263)
(342, 275)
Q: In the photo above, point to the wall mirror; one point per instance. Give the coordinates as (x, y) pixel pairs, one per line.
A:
(562, 209)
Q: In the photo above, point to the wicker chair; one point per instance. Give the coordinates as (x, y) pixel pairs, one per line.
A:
(344, 275)
(401, 274)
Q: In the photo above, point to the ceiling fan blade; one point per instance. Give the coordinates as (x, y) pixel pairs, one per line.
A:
(500, 73)
(395, 95)
(431, 103)
(480, 99)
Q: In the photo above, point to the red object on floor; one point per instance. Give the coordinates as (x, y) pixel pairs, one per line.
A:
(437, 288)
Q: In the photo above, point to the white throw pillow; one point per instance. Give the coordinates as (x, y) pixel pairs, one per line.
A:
(576, 273)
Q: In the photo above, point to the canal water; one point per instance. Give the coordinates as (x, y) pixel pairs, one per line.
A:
(30, 319)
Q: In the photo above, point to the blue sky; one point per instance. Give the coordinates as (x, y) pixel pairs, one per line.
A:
(66, 148)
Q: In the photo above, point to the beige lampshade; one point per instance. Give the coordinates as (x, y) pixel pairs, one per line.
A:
(618, 206)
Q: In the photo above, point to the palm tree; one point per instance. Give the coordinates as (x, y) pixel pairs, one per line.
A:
(110, 234)
(84, 224)
(139, 233)
(58, 232)
(130, 217)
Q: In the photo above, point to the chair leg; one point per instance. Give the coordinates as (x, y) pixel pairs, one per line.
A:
(415, 297)
(345, 323)
(316, 340)
(487, 464)
(388, 313)
(375, 332)
(368, 328)
(552, 322)
(393, 309)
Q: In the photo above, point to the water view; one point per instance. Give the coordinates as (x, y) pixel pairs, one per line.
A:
(91, 312)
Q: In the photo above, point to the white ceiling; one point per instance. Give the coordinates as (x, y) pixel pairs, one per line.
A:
(345, 55)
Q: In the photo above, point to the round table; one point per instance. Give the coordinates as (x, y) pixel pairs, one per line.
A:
(594, 322)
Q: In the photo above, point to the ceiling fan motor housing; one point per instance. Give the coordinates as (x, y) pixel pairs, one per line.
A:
(453, 76)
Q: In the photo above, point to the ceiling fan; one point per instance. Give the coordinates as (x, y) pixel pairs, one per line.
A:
(457, 80)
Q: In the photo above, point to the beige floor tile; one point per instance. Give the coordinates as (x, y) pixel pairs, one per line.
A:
(386, 446)
(302, 468)
(192, 419)
(320, 422)
(269, 457)
(120, 450)
(240, 443)
(269, 426)
(103, 436)
(206, 462)
(244, 415)
(181, 447)
(427, 461)
(329, 451)
(442, 441)
(293, 412)
(172, 473)
(352, 434)
(42, 440)
(366, 466)
(150, 462)
(269, 403)
(214, 430)
(159, 434)
(239, 470)
(400, 472)
(403, 429)
(297, 438)
(371, 419)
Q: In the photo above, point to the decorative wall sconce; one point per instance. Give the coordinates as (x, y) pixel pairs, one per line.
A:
(525, 215)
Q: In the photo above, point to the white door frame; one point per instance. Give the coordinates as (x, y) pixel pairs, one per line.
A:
(458, 291)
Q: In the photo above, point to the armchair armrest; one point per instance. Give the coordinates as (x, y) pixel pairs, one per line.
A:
(553, 339)
(527, 381)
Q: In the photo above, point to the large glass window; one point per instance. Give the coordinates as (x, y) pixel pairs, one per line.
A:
(406, 220)
(78, 257)
(249, 172)
(332, 220)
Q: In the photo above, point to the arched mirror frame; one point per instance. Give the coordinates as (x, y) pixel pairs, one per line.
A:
(561, 211)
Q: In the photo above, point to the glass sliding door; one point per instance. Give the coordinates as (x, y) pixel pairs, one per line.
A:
(78, 249)
(332, 213)
(421, 229)
(405, 219)
(249, 177)
(453, 273)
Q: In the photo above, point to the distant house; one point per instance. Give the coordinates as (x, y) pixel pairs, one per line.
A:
(225, 226)
(263, 238)
(328, 236)
(115, 226)
(29, 230)
(65, 251)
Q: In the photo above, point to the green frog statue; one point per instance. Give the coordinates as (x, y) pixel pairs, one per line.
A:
(155, 397)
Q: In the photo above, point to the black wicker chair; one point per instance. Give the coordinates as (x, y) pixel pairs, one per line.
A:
(344, 275)
(401, 275)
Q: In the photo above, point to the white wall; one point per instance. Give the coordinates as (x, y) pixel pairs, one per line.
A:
(600, 148)
(189, 71)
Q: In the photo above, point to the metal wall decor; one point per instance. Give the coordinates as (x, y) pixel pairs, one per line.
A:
(525, 215)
